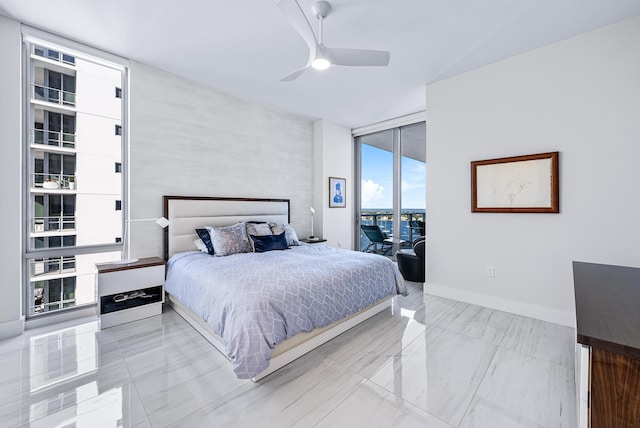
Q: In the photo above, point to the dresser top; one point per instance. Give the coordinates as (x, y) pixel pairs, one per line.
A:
(141, 263)
(608, 307)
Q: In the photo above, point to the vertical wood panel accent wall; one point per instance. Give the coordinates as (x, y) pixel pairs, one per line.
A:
(190, 139)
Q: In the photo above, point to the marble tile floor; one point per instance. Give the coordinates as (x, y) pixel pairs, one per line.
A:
(426, 362)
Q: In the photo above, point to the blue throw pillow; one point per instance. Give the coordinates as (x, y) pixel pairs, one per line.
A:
(269, 242)
(206, 239)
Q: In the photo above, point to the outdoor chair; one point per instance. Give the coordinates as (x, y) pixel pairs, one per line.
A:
(379, 242)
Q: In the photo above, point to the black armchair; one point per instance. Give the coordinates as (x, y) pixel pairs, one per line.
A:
(411, 261)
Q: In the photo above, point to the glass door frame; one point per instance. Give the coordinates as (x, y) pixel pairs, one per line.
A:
(397, 172)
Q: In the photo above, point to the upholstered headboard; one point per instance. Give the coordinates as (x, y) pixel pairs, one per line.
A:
(187, 213)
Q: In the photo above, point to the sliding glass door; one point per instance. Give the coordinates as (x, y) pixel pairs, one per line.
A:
(391, 165)
(413, 150)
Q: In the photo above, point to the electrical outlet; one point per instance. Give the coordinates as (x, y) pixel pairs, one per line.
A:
(491, 271)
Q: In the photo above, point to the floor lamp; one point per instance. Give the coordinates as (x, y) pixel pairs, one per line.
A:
(126, 260)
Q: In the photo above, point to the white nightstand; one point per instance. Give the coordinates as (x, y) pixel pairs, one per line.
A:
(130, 292)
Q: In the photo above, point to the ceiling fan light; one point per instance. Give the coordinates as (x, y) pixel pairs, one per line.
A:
(320, 63)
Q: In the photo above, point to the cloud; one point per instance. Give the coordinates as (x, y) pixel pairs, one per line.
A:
(371, 191)
(406, 186)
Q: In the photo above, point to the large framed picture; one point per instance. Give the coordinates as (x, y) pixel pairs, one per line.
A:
(519, 184)
(337, 192)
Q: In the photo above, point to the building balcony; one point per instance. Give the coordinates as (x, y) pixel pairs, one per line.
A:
(52, 183)
(53, 95)
(412, 225)
(52, 55)
(53, 139)
(50, 268)
(57, 224)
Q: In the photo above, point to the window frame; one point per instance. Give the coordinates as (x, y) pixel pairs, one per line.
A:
(66, 49)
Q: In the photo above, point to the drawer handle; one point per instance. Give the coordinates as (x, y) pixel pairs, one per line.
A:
(122, 297)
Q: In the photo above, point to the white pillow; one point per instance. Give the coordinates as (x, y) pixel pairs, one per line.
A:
(200, 246)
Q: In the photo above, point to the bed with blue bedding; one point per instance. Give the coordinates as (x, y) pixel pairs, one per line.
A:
(262, 310)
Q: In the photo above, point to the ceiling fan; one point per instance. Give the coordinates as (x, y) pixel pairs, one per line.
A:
(322, 57)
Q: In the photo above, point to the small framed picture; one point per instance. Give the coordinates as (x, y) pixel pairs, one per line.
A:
(337, 192)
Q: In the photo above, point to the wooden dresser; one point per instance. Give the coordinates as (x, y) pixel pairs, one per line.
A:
(608, 345)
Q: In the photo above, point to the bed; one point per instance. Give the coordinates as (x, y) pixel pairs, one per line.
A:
(263, 310)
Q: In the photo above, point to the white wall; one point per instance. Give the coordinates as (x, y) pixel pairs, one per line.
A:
(190, 139)
(333, 157)
(11, 319)
(580, 97)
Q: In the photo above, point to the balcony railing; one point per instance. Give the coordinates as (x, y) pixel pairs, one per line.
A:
(411, 224)
(54, 138)
(53, 95)
(63, 223)
(52, 266)
(40, 307)
(54, 181)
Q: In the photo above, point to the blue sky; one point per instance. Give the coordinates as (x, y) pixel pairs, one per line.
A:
(377, 180)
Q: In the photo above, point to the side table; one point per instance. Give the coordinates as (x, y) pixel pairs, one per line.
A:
(313, 241)
(130, 292)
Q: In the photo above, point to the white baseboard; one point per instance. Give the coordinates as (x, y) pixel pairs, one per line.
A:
(556, 316)
(11, 328)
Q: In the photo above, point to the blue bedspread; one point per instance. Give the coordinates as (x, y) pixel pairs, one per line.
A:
(255, 301)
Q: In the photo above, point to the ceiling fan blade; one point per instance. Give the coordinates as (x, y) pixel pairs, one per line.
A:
(294, 75)
(298, 20)
(355, 57)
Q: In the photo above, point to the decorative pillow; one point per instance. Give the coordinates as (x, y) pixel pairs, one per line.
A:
(418, 247)
(200, 245)
(258, 229)
(269, 242)
(292, 237)
(229, 240)
(205, 237)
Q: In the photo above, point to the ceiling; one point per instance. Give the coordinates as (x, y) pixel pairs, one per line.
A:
(244, 47)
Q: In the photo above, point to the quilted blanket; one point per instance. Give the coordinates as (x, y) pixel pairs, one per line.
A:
(256, 300)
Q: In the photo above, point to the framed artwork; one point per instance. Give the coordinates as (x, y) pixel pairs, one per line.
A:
(519, 184)
(337, 192)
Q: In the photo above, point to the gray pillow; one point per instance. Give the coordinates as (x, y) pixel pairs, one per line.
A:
(258, 229)
(229, 240)
(290, 232)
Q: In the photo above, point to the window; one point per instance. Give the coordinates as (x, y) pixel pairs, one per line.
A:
(392, 169)
(71, 184)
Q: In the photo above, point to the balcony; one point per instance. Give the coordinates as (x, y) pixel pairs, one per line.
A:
(53, 95)
(53, 182)
(51, 267)
(63, 223)
(411, 225)
(53, 138)
(53, 55)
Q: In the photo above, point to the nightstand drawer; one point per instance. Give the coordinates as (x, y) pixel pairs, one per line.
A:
(126, 280)
(128, 315)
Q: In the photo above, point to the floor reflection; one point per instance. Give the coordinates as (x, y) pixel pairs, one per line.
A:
(62, 355)
(428, 361)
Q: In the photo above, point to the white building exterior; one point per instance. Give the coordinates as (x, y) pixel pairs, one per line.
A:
(75, 173)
